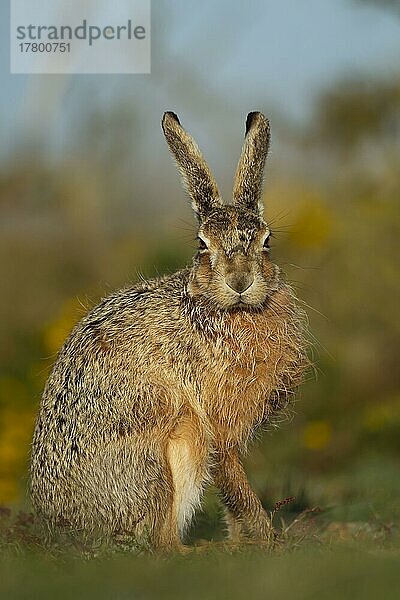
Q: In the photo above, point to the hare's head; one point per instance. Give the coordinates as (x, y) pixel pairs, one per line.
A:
(232, 267)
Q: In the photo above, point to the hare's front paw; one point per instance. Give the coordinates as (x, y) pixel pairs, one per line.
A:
(251, 529)
(263, 530)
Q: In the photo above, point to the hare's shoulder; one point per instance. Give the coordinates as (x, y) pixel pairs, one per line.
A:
(127, 313)
(145, 298)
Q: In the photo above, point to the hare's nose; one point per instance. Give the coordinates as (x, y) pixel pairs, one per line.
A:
(239, 283)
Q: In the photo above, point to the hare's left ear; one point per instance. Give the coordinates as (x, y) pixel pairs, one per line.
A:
(196, 175)
(249, 174)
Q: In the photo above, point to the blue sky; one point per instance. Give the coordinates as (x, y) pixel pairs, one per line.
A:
(227, 55)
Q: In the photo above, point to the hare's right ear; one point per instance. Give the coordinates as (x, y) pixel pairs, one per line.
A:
(196, 175)
(249, 174)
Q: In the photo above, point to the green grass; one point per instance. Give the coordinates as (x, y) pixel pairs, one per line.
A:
(311, 572)
(348, 549)
(316, 558)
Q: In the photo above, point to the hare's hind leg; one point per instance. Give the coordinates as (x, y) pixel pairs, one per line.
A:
(160, 522)
(145, 486)
(126, 490)
(187, 455)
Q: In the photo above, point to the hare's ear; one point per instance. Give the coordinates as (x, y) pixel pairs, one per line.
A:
(249, 174)
(196, 175)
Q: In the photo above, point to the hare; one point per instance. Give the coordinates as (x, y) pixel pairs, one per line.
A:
(158, 389)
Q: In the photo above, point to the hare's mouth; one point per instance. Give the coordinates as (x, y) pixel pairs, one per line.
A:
(242, 303)
(242, 307)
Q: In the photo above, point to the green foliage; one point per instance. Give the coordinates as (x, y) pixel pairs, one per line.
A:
(358, 110)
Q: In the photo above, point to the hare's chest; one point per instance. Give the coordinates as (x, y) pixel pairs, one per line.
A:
(251, 370)
(238, 383)
(236, 399)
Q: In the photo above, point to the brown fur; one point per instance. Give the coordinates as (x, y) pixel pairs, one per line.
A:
(158, 389)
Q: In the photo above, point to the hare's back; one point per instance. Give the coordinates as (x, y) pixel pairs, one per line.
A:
(129, 322)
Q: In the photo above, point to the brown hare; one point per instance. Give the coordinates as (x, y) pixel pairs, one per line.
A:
(158, 389)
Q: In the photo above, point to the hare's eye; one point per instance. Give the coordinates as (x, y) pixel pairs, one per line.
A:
(266, 245)
(202, 244)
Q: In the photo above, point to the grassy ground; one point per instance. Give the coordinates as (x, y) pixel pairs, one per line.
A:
(316, 558)
(310, 573)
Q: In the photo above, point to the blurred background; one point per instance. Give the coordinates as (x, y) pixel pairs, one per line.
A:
(90, 199)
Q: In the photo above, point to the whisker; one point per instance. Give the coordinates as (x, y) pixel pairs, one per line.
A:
(314, 309)
(302, 267)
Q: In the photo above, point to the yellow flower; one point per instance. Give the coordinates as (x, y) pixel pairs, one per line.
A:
(8, 490)
(15, 432)
(381, 415)
(317, 435)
